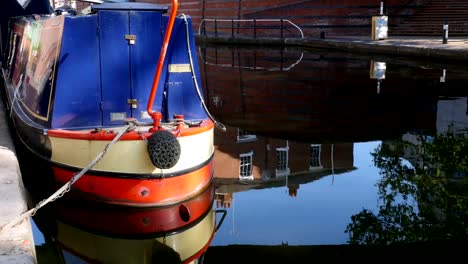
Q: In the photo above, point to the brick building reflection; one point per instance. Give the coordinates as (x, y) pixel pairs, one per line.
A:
(243, 161)
(223, 200)
(292, 189)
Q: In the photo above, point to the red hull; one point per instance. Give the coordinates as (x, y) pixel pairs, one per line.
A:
(137, 222)
(137, 192)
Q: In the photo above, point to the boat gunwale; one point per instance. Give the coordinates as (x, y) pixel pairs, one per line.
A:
(106, 133)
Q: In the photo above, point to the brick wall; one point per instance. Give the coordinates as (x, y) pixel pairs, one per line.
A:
(334, 17)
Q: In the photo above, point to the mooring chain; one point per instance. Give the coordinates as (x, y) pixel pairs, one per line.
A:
(67, 187)
(60, 195)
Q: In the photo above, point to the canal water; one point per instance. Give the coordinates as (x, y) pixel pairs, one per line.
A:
(321, 148)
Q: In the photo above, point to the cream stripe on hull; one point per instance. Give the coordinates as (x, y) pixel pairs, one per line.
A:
(129, 156)
(114, 250)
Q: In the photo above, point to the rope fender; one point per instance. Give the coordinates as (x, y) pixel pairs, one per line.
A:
(163, 149)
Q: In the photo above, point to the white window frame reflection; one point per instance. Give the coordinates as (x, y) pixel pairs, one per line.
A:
(315, 157)
(246, 166)
(245, 136)
(282, 162)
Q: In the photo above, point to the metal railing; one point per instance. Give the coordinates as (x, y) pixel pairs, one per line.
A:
(254, 26)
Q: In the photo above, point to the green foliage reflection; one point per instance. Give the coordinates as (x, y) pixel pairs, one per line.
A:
(423, 192)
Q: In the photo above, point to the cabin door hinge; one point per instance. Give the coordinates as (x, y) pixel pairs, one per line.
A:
(133, 103)
(131, 39)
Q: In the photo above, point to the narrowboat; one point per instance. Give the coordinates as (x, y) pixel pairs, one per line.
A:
(112, 101)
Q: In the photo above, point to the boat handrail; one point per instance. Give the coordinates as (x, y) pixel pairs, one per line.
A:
(203, 24)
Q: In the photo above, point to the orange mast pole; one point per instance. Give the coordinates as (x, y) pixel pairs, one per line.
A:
(157, 116)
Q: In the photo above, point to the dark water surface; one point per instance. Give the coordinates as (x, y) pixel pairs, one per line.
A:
(320, 149)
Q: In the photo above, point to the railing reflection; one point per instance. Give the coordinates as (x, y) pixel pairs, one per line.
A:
(257, 60)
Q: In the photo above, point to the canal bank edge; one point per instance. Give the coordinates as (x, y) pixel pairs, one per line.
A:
(16, 243)
(456, 50)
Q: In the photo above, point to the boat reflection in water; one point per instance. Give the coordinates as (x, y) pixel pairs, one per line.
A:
(98, 233)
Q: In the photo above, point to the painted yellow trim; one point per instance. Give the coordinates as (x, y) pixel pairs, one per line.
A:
(129, 156)
(179, 68)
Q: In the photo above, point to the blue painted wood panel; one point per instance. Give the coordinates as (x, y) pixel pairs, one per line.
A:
(115, 66)
(146, 26)
(78, 93)
(181, 93)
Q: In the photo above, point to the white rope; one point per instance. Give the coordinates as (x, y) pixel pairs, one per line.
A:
(217, 124)
(15, 95)
(66, 187)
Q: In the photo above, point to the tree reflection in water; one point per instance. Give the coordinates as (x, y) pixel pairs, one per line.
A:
(423, 192)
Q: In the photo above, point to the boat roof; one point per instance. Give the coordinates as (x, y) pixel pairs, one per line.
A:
(130, 6)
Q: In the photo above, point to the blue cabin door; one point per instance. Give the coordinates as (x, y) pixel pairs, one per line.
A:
(130, 42)
(147, 28)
